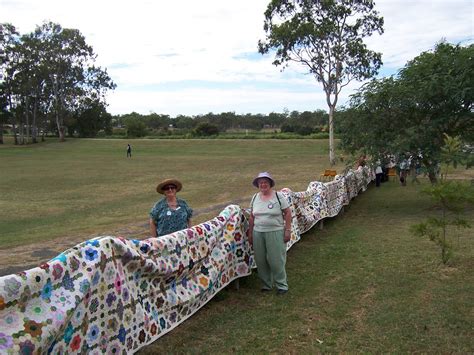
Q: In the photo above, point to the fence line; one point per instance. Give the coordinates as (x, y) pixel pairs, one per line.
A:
(112, 294)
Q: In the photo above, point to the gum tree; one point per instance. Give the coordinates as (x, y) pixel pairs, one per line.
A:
(325, 36)
(71, 77)
(9, 38)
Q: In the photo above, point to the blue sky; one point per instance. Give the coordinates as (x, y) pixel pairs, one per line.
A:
(194, 57)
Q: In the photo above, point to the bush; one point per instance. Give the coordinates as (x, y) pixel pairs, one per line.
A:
(286, 128)
(321, 135)
(136, 128)
(119, 132)
(206, 129)
(304, 130)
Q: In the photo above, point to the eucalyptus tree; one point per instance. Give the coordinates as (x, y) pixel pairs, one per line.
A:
(325, 36)
(68, 61)
(9, 38)
(30, 81)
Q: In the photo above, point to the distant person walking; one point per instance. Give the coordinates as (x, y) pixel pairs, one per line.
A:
(378, 173)
(404, 168)
(129, 151)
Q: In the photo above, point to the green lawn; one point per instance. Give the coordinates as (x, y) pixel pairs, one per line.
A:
(362, 285)
(85, 187)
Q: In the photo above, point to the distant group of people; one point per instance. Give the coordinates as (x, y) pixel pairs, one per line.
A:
(405, 165)
(269, 226)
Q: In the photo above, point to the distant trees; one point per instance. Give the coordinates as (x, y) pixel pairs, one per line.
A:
(298, 122)
(135, 125)
(90, 118)
(49, 76)
(326, 37)
(411, 112)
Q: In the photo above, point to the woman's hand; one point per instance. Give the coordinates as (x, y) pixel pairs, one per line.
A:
(250, 230)
(250, 237)
(287, 235)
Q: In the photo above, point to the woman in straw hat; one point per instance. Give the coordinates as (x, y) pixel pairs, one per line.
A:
(269, 231)
(170, 214)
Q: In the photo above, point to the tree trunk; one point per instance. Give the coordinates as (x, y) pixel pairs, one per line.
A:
(431, 169)
(432, 177)
(34, 133)
(60, 128)
(27, 120)
(21, 129)
(15, 137)
(332, 159)
(59, 118)
(1, 132)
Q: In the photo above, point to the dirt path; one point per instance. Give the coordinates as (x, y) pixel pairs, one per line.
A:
(16, 259)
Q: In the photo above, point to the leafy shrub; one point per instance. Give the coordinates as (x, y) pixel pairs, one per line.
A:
(136, 128)
(119, 132)
(451, 197)
(206, 129)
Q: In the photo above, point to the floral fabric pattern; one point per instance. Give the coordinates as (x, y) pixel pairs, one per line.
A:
(114, 295)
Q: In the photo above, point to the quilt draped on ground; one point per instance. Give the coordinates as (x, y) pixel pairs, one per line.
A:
(114, 295)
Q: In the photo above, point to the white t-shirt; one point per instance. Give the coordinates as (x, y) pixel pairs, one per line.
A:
(267, 214)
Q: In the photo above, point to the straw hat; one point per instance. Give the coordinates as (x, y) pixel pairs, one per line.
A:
(167, 182)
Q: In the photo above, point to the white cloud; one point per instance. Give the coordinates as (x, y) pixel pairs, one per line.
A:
(200, 101)
(200, 49)
(412, 27)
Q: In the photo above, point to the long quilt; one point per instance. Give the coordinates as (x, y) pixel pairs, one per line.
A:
(114, 295)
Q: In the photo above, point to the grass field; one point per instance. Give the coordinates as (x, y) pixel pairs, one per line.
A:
(361, 285)
(88, 187)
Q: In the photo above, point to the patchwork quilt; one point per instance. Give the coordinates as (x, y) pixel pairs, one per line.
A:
(115, 295)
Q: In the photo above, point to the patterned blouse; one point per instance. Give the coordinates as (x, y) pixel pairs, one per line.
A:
(168, 220)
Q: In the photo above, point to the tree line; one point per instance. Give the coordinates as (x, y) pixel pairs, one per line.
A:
(49, 82)
(303, 123)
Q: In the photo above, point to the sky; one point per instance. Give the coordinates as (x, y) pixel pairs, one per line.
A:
(194, 57)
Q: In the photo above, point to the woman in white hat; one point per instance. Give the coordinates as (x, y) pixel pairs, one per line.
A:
(269, 231)
(170, 214)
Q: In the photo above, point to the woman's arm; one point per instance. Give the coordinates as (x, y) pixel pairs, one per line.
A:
(250, 230)
(287, 218)
(153, 228)
(189, 211)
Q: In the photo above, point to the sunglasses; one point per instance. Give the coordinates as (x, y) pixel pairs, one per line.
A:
(169, 187)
